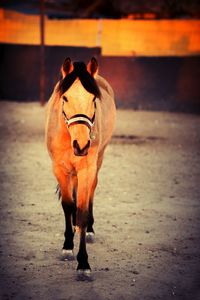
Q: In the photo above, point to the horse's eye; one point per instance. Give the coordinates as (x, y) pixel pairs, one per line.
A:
(65, 98)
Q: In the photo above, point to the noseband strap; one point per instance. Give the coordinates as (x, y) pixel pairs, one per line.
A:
(79, 119)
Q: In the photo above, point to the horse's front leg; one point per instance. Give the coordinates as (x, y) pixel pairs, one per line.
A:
(68, 246)
(86, 179)
(68, 206)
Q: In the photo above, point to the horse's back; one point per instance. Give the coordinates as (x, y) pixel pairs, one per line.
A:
(108, 111)
(103, 84)
(51, 117)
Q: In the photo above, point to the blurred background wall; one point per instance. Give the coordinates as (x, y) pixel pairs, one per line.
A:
(151, 64)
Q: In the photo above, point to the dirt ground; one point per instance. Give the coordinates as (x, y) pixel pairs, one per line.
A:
(147, 211)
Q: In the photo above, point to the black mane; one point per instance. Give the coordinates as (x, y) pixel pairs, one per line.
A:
(88, 82)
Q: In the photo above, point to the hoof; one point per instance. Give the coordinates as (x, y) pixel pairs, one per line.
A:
(90, 237)
(67, 255)
(84, 275)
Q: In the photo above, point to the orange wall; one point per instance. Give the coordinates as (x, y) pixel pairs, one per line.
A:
(151, 38)
(116, 37)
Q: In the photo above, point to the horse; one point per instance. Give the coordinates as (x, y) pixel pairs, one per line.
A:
(80, 119)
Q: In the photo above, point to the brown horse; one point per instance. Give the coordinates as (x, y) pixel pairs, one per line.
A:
(80, 120)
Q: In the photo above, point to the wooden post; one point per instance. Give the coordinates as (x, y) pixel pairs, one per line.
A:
(42, 55)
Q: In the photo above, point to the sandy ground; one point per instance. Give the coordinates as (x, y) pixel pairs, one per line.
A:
(147, 211)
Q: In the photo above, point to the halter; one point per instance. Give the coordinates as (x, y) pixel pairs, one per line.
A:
(79, 118)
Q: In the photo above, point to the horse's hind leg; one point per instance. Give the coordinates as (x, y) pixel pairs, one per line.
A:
(90, 230)
(74, 195)
(74, 210)
(90, 218)
(68, 206)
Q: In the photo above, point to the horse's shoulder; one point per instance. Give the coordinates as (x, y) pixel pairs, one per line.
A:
(103, 83)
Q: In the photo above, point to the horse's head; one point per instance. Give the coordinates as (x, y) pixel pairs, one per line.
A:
(78, 90)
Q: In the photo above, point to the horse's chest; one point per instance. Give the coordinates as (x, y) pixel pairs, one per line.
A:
(69, 162)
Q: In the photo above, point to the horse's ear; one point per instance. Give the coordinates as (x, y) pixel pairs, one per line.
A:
(92, 67)
(67, 67)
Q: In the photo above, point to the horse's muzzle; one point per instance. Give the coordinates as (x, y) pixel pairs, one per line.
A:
(78, 151)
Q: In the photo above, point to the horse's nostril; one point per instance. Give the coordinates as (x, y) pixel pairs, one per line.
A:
(76, 145)
(80, 151)
(87, 146)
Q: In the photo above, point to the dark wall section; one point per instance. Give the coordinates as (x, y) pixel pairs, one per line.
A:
(20, 68)
(156, 83)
